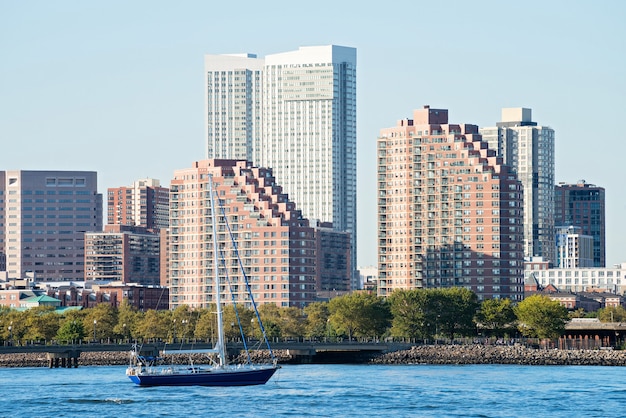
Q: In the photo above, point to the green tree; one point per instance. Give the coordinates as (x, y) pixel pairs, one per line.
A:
(17, 321)
(71, 331)
(454, 309)
(292, 322)
(408, 308)
(578, 313)
(612, 314)
(153, 325)
(317, 323)
(42, 323)
(495, 316)
(541, 317)
(127, 318)
(270, 316)
(359, 314)
(101, 319)
(232, 318)
(206, 326)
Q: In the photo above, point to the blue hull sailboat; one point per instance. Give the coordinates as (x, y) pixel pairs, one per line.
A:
(146, 371)
(226, 376)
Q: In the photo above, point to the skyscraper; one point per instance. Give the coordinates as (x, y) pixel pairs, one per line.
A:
(233, 106)
(300, 122)
(529, 150)
(449, 210)
(582, 205)
(46, 216)
(144, 204)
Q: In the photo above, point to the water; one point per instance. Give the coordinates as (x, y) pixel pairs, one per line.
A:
(327, 391)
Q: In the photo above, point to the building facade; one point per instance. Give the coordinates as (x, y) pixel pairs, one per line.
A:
(294, 112)
(590, 279)
(145, 204)
(128, 254)
(449, 210)
(529, 150)
(46, 215)
(275, 244)
(583, 205)
(333, 271)
(233, 106)
(573, 249)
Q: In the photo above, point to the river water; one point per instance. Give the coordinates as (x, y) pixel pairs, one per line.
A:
(327, 391)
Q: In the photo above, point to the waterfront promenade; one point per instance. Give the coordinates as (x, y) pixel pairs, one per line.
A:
(419, 354)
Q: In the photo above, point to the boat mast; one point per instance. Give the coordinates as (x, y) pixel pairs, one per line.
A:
(216, 281)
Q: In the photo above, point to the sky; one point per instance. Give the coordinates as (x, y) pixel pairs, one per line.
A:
(117, 87)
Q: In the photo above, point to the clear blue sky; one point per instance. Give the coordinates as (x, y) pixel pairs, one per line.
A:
(117, 86)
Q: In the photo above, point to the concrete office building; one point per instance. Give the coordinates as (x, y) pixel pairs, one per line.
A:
(528, 149)
(294, 112)
(46, 215)
(449, 210)
(145, 204)
(583, 205)
(275, 243)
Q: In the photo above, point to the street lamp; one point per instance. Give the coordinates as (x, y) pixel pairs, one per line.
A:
(94, 330)
(124, 332)
(11, 334)
(184, 323)
(328, 328)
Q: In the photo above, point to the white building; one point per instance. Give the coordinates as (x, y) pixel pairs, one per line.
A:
(293, 112)
(529, 150)
(233, 105)
(573, 248)
(575, 280)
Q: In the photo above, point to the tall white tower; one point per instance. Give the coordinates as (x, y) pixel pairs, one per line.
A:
(529, 149)
(232, 105)
(301, 123)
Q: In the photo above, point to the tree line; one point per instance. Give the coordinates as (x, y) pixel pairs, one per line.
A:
(421, 314)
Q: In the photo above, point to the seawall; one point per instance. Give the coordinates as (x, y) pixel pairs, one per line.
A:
(426, 354)
(489, 354)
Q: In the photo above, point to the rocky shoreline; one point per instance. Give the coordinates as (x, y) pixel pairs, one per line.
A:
(426, 354)
(517, 354)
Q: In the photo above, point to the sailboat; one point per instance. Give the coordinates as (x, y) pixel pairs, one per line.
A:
(145, 370)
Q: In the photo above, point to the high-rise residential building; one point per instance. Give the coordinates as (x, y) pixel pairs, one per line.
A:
(145, 203)
(583, 205)
(129, 254)
(233, 106)
(275, 244)
(46, 215)
(449, 210)
(294, 112)
(528, 149)
(573, 248)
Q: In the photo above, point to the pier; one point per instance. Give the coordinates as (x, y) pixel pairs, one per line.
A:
(67, 358)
